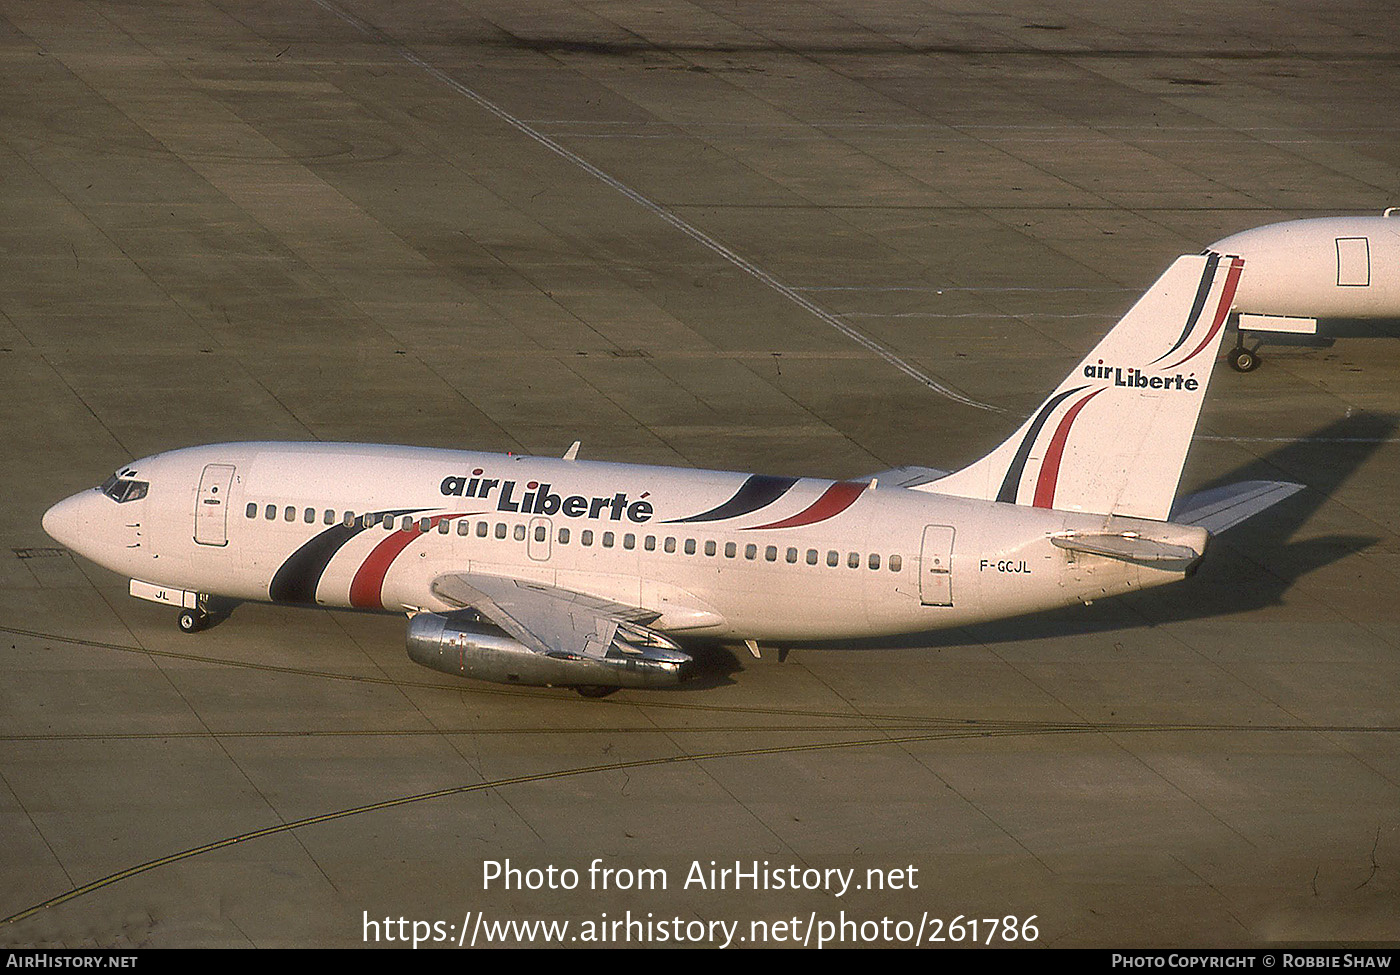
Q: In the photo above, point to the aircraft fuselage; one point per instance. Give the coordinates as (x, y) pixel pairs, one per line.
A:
(721, 554)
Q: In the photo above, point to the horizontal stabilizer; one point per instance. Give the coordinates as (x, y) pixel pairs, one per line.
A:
(904, 477)
(1224, 507)
(1127, 547)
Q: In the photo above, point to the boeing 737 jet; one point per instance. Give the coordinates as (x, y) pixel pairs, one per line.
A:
(566, 572)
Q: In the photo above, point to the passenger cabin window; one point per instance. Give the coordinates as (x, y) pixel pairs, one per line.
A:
(730, 550)
(670, 545)
(500, 529)
(481, 529)
(563, 536)
(874, 561)
(608, 539)
(690, 546)
(812, 556)
(329, 518)
(271, 512)
(710, 548)
(896, 563)
(585, 537)
(290, 513)
(309, 516)
(519, 533)
(252, 509)
(463, 527)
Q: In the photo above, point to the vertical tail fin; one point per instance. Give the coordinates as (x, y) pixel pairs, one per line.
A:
(1112, 439)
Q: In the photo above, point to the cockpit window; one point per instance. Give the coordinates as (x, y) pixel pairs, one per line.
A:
(121, 489)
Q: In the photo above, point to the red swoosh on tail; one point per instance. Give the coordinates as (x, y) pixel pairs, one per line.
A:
(1050, 466)
(1227, 296)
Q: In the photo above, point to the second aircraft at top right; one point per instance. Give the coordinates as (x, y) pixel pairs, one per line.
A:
(1301, 270)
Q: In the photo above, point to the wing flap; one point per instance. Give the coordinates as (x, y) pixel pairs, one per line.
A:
(547, 619)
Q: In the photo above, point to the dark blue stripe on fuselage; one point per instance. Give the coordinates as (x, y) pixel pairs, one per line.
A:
(1012, 483)
(757, 492)
(298, 577)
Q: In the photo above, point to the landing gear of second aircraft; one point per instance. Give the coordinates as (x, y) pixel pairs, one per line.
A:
(1243, 360)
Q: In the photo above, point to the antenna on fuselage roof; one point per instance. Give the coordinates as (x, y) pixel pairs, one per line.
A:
(572, 452)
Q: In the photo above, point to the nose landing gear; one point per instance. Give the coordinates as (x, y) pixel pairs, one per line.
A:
(192, 620)
(202, 615)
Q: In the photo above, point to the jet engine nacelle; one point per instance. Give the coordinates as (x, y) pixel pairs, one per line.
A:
(467, 648)
(1298, 271)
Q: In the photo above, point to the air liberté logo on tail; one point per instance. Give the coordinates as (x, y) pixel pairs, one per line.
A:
(540, 499)
(1137, 379)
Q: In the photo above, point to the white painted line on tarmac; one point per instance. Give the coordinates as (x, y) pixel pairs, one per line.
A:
(689, 230)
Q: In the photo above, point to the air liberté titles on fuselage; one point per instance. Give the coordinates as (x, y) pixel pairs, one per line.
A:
(539, 499)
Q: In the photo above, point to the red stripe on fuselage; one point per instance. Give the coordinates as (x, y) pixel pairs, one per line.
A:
(367, 588)
(833, 501)
(1050, 466)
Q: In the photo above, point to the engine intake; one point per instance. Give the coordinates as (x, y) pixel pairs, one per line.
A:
(469, 648)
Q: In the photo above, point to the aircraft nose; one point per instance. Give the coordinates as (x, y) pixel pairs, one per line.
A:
(64, 522)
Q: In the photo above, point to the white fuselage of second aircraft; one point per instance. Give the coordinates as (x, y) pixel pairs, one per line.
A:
(713, 553)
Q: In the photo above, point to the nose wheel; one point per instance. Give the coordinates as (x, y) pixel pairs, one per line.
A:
(192, 620)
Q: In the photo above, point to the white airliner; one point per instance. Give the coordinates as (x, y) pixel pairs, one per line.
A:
(1303, 270)
(559, 571)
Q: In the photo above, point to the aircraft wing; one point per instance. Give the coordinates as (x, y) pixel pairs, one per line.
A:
(905, 477)
(547, 619)
(1224, 507)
